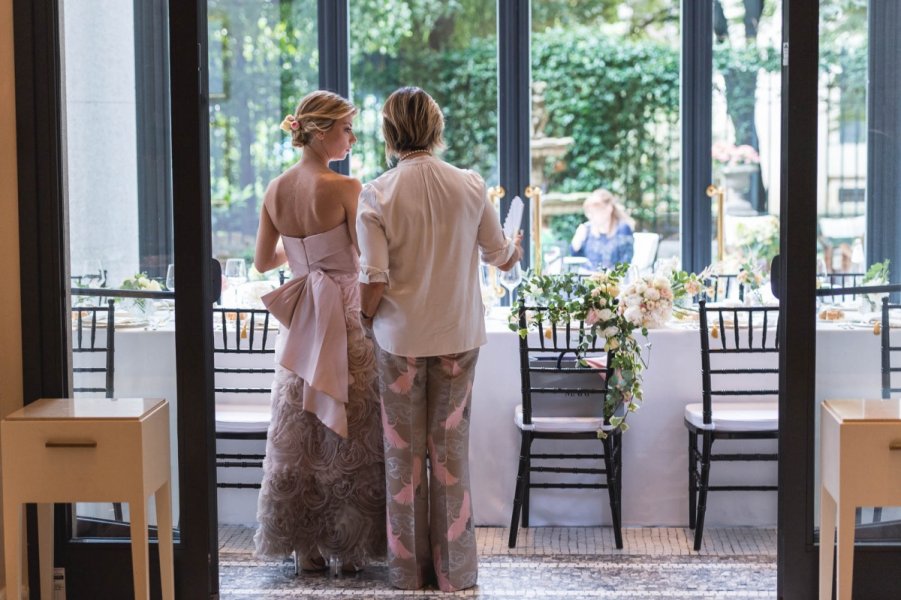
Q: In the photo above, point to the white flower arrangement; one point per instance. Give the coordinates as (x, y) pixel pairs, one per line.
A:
(647, 302)
(141, 282)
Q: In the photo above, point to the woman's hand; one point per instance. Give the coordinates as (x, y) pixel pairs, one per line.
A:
(517, 253)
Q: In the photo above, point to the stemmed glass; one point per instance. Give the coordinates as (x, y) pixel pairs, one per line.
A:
(510, 279)
(236, 274)
(170, 278)
(488, 285)
(92, 274)
(822, 279)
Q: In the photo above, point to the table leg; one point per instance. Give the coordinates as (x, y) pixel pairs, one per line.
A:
(827, 542)
(844, 557)
(164, 532)
(45, 549)
(12, 547)
(137, 510)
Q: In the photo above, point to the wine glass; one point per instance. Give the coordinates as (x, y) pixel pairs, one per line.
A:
(822, 280)
(170, 278)
(510, 279)
(92, 274)
(488, 285)
(236, 274)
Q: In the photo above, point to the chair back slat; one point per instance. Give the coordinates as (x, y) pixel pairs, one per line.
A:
(744, 337)
(553, 371)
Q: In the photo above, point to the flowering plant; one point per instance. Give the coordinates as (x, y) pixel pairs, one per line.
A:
(648, 301)
(141, 282)
(683, 283)
(730, 155)
(877, 274)
(592, 301)
(750, 276)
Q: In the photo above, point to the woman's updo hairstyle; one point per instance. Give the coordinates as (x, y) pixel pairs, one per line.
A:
(411, 120)
(316, 112)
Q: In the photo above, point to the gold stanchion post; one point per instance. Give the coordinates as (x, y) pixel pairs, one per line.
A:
(719, 192)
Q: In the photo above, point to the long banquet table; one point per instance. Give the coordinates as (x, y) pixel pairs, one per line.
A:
(655, 463)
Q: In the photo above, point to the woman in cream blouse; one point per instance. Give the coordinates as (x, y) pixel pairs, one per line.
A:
(422, 227)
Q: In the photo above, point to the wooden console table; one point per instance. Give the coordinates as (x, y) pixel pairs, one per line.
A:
(860, 463)
(65, 450)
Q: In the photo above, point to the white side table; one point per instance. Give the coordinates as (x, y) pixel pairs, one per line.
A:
(860, 464)
(90, 450)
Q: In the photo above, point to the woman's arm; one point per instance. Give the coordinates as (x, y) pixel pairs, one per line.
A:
(350, 199)
(373, 242)
(269, 252)
(578, 240)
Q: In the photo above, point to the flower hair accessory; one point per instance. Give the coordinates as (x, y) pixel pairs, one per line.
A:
(289, 124)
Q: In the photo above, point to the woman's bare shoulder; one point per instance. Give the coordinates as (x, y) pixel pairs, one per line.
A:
(343, 186)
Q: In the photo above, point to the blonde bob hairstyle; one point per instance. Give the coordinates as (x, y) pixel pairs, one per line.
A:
(602, 198)
(411, 120)
(316, 113)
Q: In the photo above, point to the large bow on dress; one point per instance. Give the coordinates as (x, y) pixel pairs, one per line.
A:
(311, 308)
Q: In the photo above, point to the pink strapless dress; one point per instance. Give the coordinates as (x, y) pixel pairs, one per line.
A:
(323, 476)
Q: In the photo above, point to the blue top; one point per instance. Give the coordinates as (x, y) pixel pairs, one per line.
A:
(604, 251)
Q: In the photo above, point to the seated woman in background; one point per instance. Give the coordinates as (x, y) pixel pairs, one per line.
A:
(606, 237)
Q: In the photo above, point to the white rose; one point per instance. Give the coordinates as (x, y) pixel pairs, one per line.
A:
(633, 315)
(660, 282)
(606, 314)
(611, 331)
(652, 294)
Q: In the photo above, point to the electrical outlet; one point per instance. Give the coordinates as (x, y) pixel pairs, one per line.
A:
(59, 583)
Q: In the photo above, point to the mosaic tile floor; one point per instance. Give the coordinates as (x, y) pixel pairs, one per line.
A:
(548, 562)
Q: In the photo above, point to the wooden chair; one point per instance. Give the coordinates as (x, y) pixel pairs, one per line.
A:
(563, 400)
(242, 392)
(86, 321)
(723, 287)
(889, 309)
(845, 280)
(745, 349)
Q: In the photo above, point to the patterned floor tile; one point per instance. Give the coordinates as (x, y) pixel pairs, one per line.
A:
(548, 562)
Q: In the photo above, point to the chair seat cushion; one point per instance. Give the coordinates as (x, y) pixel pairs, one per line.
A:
(736, 416)
(242, 418)
(560, 424)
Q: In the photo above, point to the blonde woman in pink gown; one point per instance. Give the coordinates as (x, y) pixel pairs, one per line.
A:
(323, 490)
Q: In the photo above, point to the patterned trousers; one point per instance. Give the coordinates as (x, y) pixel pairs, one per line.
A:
(425, 413)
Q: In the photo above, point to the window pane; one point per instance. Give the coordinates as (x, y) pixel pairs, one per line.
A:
(119, 202)
(447, 49)
(605, 114)
(263, 59)
(746, 130)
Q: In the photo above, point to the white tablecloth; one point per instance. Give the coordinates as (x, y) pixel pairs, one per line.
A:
(655, 462)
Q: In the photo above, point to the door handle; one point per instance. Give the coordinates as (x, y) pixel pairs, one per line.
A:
(68, 444)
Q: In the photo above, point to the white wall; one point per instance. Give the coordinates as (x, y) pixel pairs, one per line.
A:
(100, 128)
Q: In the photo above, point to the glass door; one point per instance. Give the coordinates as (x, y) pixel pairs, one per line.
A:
(858, 183)
(102, 232)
